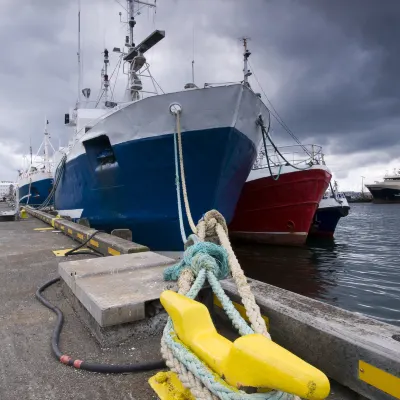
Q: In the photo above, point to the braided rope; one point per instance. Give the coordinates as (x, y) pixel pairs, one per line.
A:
(178, 193)
(188, 380)
(203, 383)
(184, 189)
(213, 223)
(193, 373)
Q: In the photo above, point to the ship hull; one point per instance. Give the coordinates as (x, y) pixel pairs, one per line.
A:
(326, 220)
(385, 195)
(279, 211)
(330, 210)
(38, 190)
(121, 172)
(140, 193)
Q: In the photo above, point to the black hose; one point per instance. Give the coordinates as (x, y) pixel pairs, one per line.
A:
(65, 359)
(79, 364)
(75, 249)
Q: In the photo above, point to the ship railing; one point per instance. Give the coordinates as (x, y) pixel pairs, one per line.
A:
(300, 156)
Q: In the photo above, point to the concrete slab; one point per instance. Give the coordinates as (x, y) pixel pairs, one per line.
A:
(149, 327)
(115, 289)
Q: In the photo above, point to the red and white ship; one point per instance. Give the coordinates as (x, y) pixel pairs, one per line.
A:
(279, 200)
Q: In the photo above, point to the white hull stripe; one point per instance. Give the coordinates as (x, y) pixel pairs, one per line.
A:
(71, 213)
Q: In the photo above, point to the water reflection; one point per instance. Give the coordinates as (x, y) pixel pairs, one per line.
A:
(359, 270)
(303, 270)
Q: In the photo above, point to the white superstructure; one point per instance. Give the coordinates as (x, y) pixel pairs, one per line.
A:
(333, 198)
(5, 188)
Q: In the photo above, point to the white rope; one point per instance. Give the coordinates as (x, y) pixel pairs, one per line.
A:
(188, 380)
(178, 193)
(213, 222)
(212, 225)
(184, 189)
(191, 364)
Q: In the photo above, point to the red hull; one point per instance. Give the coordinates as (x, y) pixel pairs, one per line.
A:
(281, 211)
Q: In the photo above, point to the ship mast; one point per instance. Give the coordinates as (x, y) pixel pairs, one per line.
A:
(131, 21)
(30, 147)
(246, 55)
(46, 148)
(79, 53)
(135, 56)
(104, 76)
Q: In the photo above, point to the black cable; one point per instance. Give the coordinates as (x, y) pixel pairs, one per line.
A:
(55, 339)
(266, 150)
(57, 178)
(265, 133)
(75, 249)
(79, 364)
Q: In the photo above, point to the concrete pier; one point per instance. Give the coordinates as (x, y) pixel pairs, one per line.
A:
(331, 339)
(28, 369)
(359, 352)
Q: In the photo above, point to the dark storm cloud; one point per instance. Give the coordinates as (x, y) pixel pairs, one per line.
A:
(336, 64)
(330, 67)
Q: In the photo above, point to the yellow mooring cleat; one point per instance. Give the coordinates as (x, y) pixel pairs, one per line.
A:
(23, 214)
(252, 361)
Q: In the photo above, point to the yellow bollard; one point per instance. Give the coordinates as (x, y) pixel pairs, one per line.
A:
(252, 361)
(23, 214)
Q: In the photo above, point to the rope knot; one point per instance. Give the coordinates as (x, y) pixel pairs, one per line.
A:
(204, 261)
(211, 219)
(201, 255)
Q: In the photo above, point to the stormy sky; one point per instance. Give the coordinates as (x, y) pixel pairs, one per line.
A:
(330, 68)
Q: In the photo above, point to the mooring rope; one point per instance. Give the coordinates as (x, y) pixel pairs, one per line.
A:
(184, 189)
(206, 260)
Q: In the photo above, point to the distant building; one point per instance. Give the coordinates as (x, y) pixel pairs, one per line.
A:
(5, 188)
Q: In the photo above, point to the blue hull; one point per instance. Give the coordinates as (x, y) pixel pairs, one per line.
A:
(137, 190)
(326, 220)
(39, 192)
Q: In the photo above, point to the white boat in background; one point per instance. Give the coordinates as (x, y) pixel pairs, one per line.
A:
(332, 207)
(387, 191)
(35, 182)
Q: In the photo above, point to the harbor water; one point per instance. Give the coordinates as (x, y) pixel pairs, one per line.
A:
(359, 270)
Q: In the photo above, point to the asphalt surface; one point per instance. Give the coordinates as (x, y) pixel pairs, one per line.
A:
(28, 370)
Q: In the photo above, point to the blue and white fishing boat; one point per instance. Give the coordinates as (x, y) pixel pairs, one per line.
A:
(332, 207)
(35, 182)
(119, 168)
